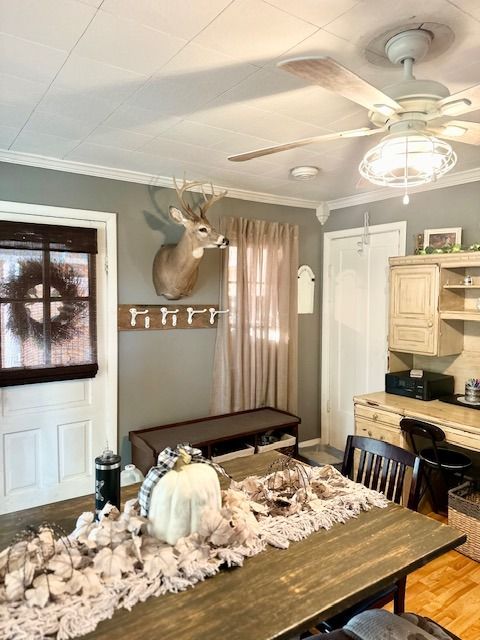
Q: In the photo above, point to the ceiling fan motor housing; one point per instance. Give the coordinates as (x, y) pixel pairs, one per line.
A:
(419, 96)
(412, 44)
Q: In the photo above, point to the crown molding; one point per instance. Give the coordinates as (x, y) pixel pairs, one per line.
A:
(44, 162)
(82, 168)
(449, 180)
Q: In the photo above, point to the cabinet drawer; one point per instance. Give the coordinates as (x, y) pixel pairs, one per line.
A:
(412, 337)
(378, 415)
(461, 438)
(372, 430)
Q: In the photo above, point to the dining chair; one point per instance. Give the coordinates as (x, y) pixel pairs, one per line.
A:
(423, 624)
(381, 466)
(448, 464)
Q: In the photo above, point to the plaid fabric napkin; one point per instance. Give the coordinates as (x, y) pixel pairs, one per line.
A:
(165, 463)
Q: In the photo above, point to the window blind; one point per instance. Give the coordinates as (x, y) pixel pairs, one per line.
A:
(47, 303)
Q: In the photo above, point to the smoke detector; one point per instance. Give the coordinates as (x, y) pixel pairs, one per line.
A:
(304, 173)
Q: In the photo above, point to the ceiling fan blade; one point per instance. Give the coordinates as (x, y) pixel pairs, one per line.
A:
(266, 151)
(459, 131)
(461, 102)
(333, 76)
(363, 183)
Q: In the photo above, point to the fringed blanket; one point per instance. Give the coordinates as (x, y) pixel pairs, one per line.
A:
(63, 587)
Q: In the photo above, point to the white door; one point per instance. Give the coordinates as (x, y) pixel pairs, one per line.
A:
(51, 432)
(355, 321)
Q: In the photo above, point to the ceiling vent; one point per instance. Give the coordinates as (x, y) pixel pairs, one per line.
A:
(304, 173)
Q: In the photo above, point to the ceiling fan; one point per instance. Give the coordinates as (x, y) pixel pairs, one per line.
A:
(412, 112)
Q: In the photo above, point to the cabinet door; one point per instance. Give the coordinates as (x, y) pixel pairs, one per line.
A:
(413, 309)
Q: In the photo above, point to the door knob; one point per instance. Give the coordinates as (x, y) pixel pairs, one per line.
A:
(430, 324)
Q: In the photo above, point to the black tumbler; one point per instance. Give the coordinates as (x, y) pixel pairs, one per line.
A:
(107, 480)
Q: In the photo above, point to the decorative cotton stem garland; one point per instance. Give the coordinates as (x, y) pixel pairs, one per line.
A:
(114, 563)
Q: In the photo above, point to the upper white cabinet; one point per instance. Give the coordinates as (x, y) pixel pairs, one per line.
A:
(413, 309)
(429, 302)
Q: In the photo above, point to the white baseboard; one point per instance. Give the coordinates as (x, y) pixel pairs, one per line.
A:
(309, 443)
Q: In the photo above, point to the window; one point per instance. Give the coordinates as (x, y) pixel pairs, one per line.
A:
(263, 321)
(47, 303)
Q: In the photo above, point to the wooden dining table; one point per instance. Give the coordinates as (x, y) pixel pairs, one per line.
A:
(279, 592)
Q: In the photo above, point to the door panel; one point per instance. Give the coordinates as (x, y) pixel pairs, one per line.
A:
(35, 397)
(21, 452)
(357, 321)
(51, 432)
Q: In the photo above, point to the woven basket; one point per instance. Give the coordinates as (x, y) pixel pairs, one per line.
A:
(464, 514)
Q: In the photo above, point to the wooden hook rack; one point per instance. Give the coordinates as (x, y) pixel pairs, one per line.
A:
(146, 317)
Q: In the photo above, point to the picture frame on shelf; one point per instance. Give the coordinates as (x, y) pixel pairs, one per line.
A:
(440, 238)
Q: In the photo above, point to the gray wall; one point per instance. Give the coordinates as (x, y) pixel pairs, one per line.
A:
(453, 207)
(166, 376)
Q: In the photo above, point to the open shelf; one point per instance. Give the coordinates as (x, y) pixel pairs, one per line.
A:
(461, 286)
(460, 315)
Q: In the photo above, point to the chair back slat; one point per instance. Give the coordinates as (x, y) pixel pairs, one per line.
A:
(397, 497)
(382, 466)
(384, 479)
(361, 466)
(368, 470)
(391, 480)
(376, 472)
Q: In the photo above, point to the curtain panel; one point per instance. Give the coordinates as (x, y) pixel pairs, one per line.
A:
(256, 348)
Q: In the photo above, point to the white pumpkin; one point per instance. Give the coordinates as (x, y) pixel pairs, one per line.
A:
(180, 496)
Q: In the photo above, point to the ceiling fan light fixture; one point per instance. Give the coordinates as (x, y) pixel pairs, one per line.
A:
(304, 173)
(407, 160)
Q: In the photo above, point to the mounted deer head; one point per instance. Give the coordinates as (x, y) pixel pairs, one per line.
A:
(175, 267)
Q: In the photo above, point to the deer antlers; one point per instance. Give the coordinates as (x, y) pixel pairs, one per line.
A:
(208, 201)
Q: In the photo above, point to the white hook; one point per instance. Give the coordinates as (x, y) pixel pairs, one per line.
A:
(191, 312)
(133, 317)
(165, 312)
(214, 312)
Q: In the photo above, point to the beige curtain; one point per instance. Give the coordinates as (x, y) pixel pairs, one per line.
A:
(256, 349)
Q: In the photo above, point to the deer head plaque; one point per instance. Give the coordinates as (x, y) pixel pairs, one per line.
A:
(175, 267)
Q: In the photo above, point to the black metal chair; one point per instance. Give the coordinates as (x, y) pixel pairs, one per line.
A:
(449, 465)
(422, 623)
(383, 467)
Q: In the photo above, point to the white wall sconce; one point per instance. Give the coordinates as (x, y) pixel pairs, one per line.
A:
(306, 289)
(322, 212)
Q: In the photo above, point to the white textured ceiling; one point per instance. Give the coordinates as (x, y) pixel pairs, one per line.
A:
(171, 87)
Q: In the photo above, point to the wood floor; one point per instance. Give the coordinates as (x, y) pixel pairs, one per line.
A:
(448, 591)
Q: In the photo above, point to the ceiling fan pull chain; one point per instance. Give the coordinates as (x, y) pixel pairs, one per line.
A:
(406, 197)
(366, 227)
